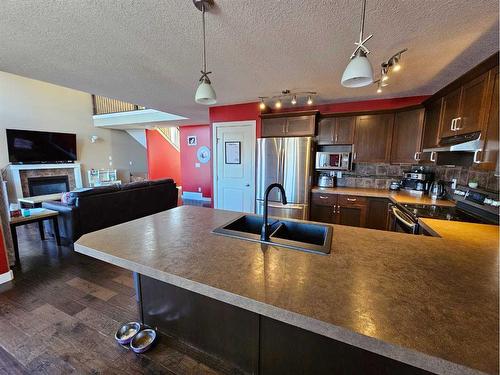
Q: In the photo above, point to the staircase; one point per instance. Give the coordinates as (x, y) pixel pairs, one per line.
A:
(172, 135)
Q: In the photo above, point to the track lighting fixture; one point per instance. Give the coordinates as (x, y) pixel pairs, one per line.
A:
(287, 96)
(262, 104)
(393, 64)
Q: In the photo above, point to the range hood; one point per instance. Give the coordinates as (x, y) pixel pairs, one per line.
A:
(459, 143)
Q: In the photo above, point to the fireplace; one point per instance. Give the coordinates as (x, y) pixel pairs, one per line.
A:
(47, 185)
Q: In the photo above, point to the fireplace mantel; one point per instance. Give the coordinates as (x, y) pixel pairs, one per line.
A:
(14, 176)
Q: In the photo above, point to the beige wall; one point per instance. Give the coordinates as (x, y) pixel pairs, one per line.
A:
(35, 105)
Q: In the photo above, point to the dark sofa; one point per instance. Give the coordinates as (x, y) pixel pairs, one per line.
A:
(92, 209)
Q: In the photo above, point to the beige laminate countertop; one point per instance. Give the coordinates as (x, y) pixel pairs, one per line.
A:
(476, 235)
(394, 196)
(429, 302)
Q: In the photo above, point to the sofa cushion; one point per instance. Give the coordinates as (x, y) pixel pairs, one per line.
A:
(161, 181)
(135, 185)
(94, 191)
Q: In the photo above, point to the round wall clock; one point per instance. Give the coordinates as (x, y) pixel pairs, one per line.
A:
(203, 154)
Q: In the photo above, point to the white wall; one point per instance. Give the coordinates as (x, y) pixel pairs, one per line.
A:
(35, 105)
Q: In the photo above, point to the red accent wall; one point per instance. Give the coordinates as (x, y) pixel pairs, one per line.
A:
(164, 161)
(192, 177)
(236, 112)
(4, 267)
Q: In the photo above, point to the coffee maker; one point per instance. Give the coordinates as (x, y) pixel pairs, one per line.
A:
(417, 180)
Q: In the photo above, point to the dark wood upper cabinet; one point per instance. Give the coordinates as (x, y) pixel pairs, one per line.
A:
(489, 154)
(289, 124)
(451, 106)
(473, 105)
(326, 131)
(344, 130)
(336, 130)
(407, 136)
(372, 138)
(464, 108)
(273, 127)
(431, 124)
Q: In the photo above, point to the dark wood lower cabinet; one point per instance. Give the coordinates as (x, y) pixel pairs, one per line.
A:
(354, 211)
(376, 216)
(246, 342)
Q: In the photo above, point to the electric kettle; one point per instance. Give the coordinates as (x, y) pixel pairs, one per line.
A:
(437, 190)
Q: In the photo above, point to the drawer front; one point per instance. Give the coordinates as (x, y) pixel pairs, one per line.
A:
(322, 199)
(352, 200)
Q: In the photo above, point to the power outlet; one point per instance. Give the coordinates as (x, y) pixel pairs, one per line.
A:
(199, 189)
(453, 183)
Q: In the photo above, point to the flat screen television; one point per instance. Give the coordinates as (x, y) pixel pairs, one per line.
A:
(28, 146)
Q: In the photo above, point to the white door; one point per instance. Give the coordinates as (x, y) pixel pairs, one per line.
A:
(235, 166)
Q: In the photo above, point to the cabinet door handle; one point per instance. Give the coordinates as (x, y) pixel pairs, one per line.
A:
(334, 208)
(453, 122)
(354, 155)
(323, 197)
(433, 156)
(336, 138)
(351, 199)
(284, 128)
(476, 159)
(416, 156)
(458, 121)
(338, 209)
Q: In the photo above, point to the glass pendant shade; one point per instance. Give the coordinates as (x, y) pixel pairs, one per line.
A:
(205, 94)
(358, 73)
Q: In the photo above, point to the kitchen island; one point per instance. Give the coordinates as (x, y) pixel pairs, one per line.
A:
(428, 303)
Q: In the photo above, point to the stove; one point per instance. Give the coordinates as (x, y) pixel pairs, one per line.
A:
(472, 206)
(440, 212)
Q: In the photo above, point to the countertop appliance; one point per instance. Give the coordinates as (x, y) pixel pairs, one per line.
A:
(437, 190)
(416, 180)
(286, 161)
(473, 206)
(333, 161)
(395, 185)
(326, 181)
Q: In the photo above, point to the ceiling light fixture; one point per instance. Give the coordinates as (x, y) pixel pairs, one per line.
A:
(359, 72)
(262, 104)
(285, 96)
(383, 74)
(205, 94)
(391, 65)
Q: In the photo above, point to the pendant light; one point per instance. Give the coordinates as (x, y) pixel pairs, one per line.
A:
(359, 72)
(205, 94)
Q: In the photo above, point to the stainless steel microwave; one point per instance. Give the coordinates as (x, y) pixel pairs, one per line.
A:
(333, 160)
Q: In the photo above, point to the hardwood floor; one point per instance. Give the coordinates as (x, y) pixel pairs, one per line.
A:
(60, 313)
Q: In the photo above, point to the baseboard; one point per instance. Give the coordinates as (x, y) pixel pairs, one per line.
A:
(5, 277)
(195, 196)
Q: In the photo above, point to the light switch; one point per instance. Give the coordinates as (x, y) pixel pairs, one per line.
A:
(197, 165)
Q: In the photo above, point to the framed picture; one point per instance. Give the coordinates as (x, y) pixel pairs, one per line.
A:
(233, 152)
(192, 140)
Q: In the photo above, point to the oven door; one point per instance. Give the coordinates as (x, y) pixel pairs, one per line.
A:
(401, 222)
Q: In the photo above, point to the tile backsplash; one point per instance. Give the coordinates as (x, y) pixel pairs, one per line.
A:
(380, 176)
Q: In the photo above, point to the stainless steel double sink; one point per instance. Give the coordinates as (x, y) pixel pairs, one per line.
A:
(298, 235)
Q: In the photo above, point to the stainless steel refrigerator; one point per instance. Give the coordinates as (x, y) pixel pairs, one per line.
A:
(287, 161)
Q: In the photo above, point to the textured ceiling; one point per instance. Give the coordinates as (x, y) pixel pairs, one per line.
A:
(149, 52)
